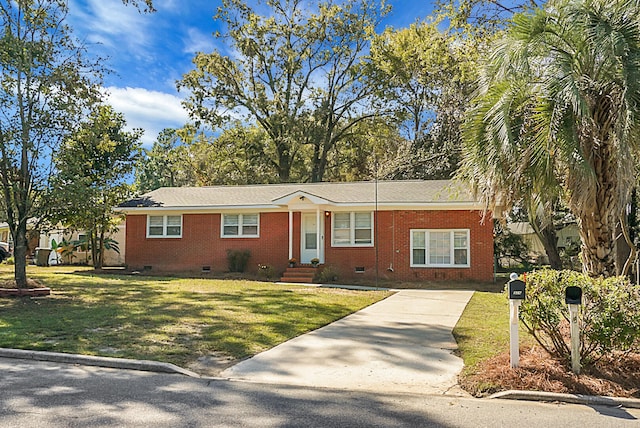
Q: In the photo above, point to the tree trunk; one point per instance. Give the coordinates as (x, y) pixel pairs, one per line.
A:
(20, 256)
(597, 221)
(549, 241)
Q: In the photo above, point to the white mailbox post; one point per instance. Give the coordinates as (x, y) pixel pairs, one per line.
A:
(516, 290)
(573, 298)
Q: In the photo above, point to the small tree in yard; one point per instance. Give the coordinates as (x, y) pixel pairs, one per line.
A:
(93, 166)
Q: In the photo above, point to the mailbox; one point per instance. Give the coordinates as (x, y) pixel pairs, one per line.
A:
(516, 289)
(573, 295)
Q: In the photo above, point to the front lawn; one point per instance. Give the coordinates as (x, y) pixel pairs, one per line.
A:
(174, 320)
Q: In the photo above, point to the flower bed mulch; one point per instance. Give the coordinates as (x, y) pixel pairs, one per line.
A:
(615, 376)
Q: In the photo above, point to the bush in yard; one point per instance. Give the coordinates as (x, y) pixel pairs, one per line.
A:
(266, 272)
(610, 313)
(327, 274)
(238, 259)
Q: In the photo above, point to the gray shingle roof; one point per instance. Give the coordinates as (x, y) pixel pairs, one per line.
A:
(388, 192)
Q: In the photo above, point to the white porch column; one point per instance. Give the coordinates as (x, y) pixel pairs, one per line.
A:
(290, 234)
(318, 240)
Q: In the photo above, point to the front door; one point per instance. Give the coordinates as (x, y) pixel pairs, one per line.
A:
(310, 238)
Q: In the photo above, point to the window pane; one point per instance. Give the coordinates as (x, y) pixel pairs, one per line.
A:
(439, 248)
(250, 219)
(419, 256)
(341, 221)
(155, 230)
(155, 220)
(363, 221)
(173, 230)
(310, 241)
(230, 219)
(460, 239)
(250, 230)
(230, 230)
(173, 220)
(418, 240)
(363, 236)
(460, 256)
(341, 237)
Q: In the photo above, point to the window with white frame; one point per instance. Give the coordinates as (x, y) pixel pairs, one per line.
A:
(240, 225)
(164, 226)
(440, 248)
(352, 229)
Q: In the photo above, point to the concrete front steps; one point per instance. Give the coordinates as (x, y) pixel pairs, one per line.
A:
(301, 274)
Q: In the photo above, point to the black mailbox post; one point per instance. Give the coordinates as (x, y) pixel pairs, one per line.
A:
(573, 295)
(516, 289)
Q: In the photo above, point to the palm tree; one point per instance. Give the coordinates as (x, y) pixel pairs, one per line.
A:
(557, 111)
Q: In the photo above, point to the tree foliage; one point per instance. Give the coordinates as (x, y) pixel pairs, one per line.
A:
(46, 81)
(93, 169)
(558, 111)
(296, 72)
(425, 78)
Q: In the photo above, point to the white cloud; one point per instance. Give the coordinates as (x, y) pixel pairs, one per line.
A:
(197, 41)
(112, 24)
(152, 111)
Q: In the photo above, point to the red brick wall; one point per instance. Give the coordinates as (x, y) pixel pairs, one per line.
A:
(394, 247)
(201, 245)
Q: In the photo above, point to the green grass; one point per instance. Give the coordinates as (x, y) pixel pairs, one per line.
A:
(174, 320)
(483, 329)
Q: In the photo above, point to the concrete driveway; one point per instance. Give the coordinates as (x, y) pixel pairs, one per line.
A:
(401, 344)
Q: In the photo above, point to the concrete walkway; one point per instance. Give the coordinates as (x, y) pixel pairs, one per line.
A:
(401, 344)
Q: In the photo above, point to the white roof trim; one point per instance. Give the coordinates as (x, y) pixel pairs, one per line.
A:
(301, 195)
(432, 206)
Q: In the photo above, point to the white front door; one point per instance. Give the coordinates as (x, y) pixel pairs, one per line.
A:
(311, 239)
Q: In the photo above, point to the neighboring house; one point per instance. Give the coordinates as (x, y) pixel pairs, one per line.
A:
(111, 258)
(567, 236)
(5, 237)
(409, 230)
(43, 239)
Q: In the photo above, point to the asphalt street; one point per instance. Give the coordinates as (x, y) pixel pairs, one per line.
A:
(48, 394)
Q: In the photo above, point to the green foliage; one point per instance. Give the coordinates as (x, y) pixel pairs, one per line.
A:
(10, 261)
(558, 111)
(508, 246)
(327, 274)
(610, 313)
(92, 172)
(237, 260)
(266, 272)
(296, 72)
(46, 84)
(425, 78)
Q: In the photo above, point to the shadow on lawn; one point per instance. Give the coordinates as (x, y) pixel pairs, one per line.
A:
(149, 318)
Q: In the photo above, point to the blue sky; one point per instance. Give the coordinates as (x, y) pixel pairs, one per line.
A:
(148, 53)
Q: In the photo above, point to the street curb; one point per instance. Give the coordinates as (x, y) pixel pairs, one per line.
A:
(91, 360)
(590, 400)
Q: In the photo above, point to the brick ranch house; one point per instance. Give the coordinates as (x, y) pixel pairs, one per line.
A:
(414, 230)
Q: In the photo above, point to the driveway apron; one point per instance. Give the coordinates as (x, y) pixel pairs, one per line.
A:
(401, 344)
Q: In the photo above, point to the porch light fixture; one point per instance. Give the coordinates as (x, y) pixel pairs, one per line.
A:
(302, 198)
